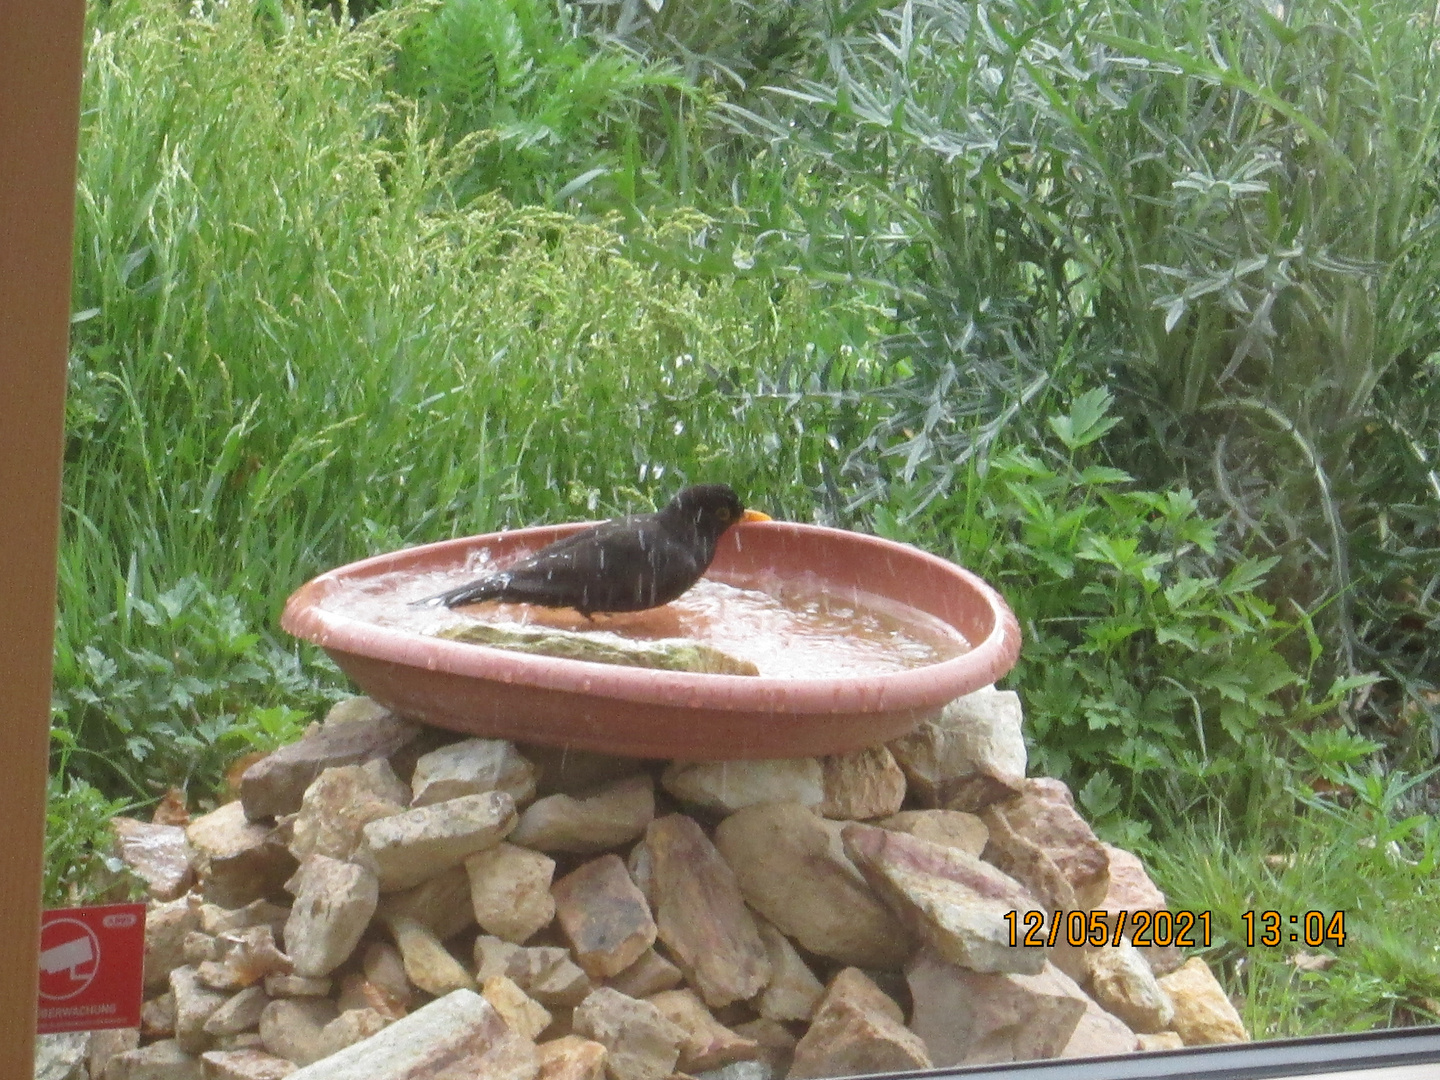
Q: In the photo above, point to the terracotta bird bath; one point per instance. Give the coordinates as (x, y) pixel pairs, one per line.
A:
(641, 712)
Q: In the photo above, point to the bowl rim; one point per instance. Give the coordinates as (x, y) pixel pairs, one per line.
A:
(304, 617)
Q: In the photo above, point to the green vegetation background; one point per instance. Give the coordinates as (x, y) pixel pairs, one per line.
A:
(1126, 304)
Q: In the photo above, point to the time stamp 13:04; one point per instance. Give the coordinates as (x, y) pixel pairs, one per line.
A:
(1184, 929)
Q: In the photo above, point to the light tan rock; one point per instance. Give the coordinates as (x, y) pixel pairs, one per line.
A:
(613, 815)
(245, 957)
(567, 771)
(775, 1040)
(953, 828)
(442, 903)
(157, 854)
(545, 972)
(968, 1018)
(245, 1065)
(236, 860)
(216, 920)
(648, 975)
(1160, 1040)
(245, 1040)
(428, 964)
(101, 1046)
(510, 891)
(357, 993)
(291, 1028)
(157, 1016)
(350, 1027)
(862, 785)
(640, 1043)
(723, 787)
(334, 902)
(701, 916)
(708, 1044)
(1122, 983)
(200, 947)
(288, 986)
(1098, 1034)
(1131, 891)
(970, 755)
(520, 1011)
(240, 1013)
(337, 805)
(473, 767)
(354, 732)
(603, 916)
(792, 869)
(162, 1060)
(952, 901)
(1204, 1016)
(572, 1058)
(457, 1037)
(407, 848)
(60, 1056)
(166, 927)
(793, 991)
(384, 968)
(642, 870)
(194, 1004)
(856, 1029)
(1044, 813)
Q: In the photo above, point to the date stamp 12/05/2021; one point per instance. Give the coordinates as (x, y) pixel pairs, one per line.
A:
(1185, 929)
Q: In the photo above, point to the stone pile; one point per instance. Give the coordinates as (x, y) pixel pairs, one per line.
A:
(396, 902)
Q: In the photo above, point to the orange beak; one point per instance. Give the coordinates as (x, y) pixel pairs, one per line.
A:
(755, 515)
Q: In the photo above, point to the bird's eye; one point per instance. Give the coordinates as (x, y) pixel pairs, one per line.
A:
(724, 513)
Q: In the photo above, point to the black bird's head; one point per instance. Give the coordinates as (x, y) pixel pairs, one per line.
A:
(709, 509)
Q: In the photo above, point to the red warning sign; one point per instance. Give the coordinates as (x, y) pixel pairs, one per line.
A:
(91, 965)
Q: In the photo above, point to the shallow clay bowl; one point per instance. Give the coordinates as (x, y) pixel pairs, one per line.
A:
(639, 712)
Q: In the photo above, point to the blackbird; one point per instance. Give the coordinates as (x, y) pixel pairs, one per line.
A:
(625, 564)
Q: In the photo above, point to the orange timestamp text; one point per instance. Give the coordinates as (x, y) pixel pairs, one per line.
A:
(1186, 929)
(1314, 928)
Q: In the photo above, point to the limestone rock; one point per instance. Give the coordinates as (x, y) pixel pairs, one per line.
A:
(384, 968)
(166, 927)
(970, 755)
(291, 1028)
(240, 1013)
(237, 861)
(1204, 1016)
(604, 647)
(336, 806)
(355, 731)
(216, 920)
(287, 986)
(245, 957)
(567, 771)
(708, 1044)
(776, 1043)
(473, 767)
(967, 1018)
(1131, 891)
(457, 1036)
(1122, 983)
(350, 1027)
(409, 847)
(650, 974)
(101, 1046)
(857, 1029)
(615, 814)
(545, 972)
(428, 964)
(442, 903)
(792, 869)
(1028, 863)
(157, 1016)
(162, 1060)
(603, 916)
(522, 1013)
(61, 1056)
(510, 891)
(1099, 1033)
(194, 1004)
(334, 902)
(1160, 1040)
(701, 916)
(640, 1043)
(723, 787)
(158, 854)
(952, 901)
(1044, 813)
(864, 784)
(245, 1065)
(793, 991)
(572, 1058)
(953, 828)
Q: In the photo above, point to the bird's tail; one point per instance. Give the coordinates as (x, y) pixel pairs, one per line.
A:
(472, 592)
